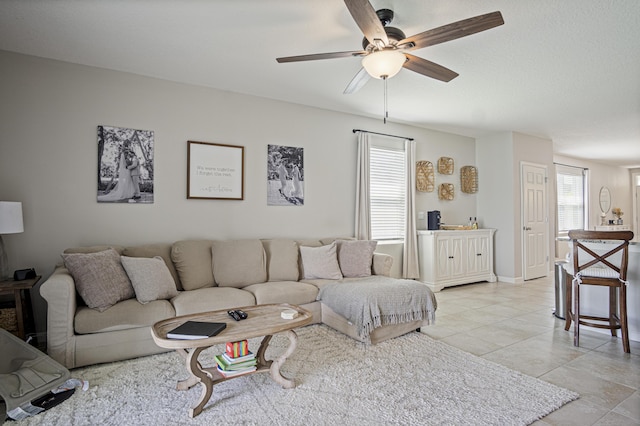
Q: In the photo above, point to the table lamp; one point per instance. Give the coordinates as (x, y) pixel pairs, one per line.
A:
(10, 223)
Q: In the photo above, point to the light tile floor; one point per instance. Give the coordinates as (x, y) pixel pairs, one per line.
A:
(514, 325)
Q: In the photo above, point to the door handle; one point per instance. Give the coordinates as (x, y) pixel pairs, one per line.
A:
(526, 228)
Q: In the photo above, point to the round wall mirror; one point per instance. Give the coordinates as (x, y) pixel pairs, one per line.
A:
(605, 200)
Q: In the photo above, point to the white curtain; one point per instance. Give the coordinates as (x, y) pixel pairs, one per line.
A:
(410, 268)
(363, 202)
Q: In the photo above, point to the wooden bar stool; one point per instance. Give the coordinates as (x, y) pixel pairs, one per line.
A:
(591, 268)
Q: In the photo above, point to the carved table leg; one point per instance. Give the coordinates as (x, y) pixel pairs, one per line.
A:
(190, 381)
(274, 370)
(197, 375)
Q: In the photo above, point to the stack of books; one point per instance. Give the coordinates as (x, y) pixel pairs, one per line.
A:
(236, 360)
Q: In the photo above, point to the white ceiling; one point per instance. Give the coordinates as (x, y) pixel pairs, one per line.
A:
(565, 70)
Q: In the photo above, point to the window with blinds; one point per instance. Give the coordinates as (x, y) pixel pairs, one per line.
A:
(387, 178)
(571, 198)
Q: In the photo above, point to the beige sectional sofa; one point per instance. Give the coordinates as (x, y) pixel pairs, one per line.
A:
(193, 276)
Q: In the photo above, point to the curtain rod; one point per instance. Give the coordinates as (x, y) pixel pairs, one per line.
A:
(381, 134)
(569, 165)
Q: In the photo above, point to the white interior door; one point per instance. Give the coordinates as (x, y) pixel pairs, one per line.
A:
(535, 249)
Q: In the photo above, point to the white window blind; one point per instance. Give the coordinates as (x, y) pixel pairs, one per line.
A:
(387, 193)
(571, 198)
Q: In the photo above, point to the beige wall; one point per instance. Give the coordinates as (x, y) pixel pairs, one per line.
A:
(48, 160)
(500, 156)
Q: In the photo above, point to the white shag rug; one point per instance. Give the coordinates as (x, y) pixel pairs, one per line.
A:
(410, 380)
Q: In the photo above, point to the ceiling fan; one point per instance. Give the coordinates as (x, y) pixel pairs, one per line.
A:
(385, 48)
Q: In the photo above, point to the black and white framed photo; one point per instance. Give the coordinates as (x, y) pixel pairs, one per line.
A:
(285, 176)
(125, 165)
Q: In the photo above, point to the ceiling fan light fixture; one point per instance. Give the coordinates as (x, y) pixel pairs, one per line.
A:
(384, 63)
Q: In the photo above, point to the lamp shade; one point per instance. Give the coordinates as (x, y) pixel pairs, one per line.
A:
(384, 63)
(11, 217)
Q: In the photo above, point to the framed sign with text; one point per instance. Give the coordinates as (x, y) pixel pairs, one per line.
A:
(215, 171)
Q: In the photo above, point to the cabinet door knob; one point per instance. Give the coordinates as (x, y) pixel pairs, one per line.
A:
(478, 254)
(450, 257)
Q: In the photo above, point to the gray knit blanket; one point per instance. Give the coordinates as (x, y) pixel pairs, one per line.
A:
(374, 301)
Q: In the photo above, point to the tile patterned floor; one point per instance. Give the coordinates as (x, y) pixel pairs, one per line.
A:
(513, 325)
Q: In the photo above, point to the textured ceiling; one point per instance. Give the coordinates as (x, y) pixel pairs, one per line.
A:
(565, 70)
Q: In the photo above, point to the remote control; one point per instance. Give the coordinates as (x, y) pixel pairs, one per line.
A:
(234, 315)
(243, 314)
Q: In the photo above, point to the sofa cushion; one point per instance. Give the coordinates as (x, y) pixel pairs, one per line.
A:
(211, 299)
(310, 243)
(153, 250)
(282, 260)
(121, 316)
(355, 257)
(238, 263)
(192, 259)
(329, 240)
(150, 278)
(99, 278)
(382, 264)
(320, 262)
(319, 283)
(292, 292)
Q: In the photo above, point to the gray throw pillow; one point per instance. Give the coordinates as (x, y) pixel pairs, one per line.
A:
(320, 262)
(100, 278)
(355, 257)
(150, 277)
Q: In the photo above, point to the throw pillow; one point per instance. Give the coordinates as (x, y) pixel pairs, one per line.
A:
(355, 257)
(150, 277)
(152, 250)
(320, 262)
(100, 278)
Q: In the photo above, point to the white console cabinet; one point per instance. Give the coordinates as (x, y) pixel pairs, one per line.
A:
(450, 258)
(613, 228)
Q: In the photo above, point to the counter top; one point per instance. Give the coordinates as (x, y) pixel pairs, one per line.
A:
(633, 245)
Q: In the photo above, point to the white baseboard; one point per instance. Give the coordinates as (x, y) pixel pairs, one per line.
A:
(511, 280)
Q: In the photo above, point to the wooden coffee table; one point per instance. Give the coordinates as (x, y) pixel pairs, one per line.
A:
(262, 320)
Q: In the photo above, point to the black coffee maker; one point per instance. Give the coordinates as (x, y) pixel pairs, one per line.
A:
(433, 220)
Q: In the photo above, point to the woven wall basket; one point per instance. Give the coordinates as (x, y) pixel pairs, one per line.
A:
(425, 178)
(468, 179)
(445, 191)
(445, 165)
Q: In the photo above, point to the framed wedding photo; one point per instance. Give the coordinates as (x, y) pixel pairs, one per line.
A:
(215, 171)
(126, 165)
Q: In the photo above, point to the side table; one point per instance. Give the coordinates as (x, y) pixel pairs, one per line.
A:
(22, 299)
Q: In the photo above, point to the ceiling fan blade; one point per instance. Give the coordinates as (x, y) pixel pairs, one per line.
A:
(428, 68)
(316, 56)
(357, 82)
(365, 16)
(452, 31)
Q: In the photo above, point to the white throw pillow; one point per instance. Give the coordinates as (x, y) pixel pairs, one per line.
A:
(150, 278)
(320, 262)
(355, 257)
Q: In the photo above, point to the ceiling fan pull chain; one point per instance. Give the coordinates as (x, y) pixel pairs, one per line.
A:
(386, 109)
